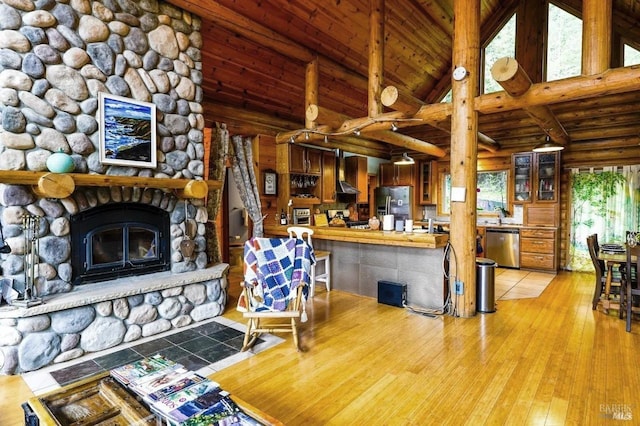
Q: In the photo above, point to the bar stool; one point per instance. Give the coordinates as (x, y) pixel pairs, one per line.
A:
(320, 255)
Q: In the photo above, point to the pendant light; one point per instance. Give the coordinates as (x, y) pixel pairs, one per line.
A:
(405, 159)
(548, 146)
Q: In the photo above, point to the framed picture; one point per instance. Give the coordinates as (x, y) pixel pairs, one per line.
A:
(127, 131)
(270, 182)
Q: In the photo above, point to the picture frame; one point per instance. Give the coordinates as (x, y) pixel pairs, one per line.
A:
(270, 182)
(127, 131)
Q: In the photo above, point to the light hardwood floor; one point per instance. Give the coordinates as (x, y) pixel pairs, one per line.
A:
(544, 361)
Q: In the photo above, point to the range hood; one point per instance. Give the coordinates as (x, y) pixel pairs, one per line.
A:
(345, 187)
(342, 186)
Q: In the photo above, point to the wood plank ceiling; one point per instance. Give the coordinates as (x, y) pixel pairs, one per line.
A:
(255, 54)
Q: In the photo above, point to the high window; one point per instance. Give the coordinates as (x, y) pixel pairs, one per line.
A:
(502, 45)
(631, 56)
(564, 51)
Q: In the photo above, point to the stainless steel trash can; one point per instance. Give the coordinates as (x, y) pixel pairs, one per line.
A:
(485, 285)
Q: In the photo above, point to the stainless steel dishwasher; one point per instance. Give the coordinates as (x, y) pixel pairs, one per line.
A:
(503, 246)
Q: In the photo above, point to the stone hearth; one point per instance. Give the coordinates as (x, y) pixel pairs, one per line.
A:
(95, 317)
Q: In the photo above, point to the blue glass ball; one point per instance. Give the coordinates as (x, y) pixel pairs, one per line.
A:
(60, 162)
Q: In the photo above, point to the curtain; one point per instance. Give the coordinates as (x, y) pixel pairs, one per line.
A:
(219, 152)
(245, 177)
(604, 202)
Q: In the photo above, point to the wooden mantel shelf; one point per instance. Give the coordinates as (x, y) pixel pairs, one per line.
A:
(61, 185)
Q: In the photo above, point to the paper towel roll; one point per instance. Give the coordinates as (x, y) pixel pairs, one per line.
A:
(387, 222)
(408, 225)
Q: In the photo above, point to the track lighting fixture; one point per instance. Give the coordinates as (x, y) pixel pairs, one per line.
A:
(394, 126)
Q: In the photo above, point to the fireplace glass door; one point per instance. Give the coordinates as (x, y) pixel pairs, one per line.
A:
(127, 244)
(119, 240)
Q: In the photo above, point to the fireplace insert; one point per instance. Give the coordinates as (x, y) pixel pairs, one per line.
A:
(119, 240)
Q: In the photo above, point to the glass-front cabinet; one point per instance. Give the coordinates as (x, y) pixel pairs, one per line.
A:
(522, 173)
(426, 190)
(547, 167)
(535, 177)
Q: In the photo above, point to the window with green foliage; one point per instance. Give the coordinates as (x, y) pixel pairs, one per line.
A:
(492, 195)
(631, 56)
(502, 45)
(564, 50)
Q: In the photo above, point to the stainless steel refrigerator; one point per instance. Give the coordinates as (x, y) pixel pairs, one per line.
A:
(395, 200)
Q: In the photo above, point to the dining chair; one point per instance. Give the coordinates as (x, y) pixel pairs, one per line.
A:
(602, 273)
(630, 288)
(275, 283)
(320, 256)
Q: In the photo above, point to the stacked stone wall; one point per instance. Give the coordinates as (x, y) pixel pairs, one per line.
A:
(55, 59)
(31, 343)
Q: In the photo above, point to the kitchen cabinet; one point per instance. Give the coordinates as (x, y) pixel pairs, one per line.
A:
(535, 177)
(523, 177)
(538, 249)
(397, 175)
(328, 177)
(547, 178)
(356, 175)
(305, 160)
(425, 189)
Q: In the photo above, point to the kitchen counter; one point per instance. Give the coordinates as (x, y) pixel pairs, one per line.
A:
(360, 258)
(368, 236)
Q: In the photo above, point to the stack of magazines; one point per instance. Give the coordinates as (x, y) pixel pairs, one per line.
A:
(179, 396)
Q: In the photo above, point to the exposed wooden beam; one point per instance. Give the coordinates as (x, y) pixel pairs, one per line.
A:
(513, 78)
(612, 81)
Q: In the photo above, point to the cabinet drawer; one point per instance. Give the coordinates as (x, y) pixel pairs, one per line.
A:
(536, 261)
(538, 233)
(536, 245)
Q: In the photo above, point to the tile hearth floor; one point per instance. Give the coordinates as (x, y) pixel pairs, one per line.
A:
(205, 348)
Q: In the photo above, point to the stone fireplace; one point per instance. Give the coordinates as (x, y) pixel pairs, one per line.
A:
(110, 268)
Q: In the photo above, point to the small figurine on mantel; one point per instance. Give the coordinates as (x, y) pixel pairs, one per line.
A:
(353, 212)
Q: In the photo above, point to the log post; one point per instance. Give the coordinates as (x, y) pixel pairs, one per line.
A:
(464, 150)
(515, 81)
(376, 56)
(596, 36)
(311, 91)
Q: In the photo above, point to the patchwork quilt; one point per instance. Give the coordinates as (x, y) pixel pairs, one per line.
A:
(275, 267)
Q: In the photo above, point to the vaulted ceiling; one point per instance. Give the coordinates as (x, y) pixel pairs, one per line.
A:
(255, 55)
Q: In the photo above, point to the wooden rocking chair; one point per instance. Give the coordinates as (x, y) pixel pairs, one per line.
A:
(276, 278)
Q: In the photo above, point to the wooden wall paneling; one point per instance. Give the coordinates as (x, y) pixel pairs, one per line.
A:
(565, 217)
(264, 151)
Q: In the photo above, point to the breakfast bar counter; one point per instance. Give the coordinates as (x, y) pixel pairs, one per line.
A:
(360, 258)
(366, 236)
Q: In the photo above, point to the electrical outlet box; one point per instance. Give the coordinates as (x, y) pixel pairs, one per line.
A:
(459, 287)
